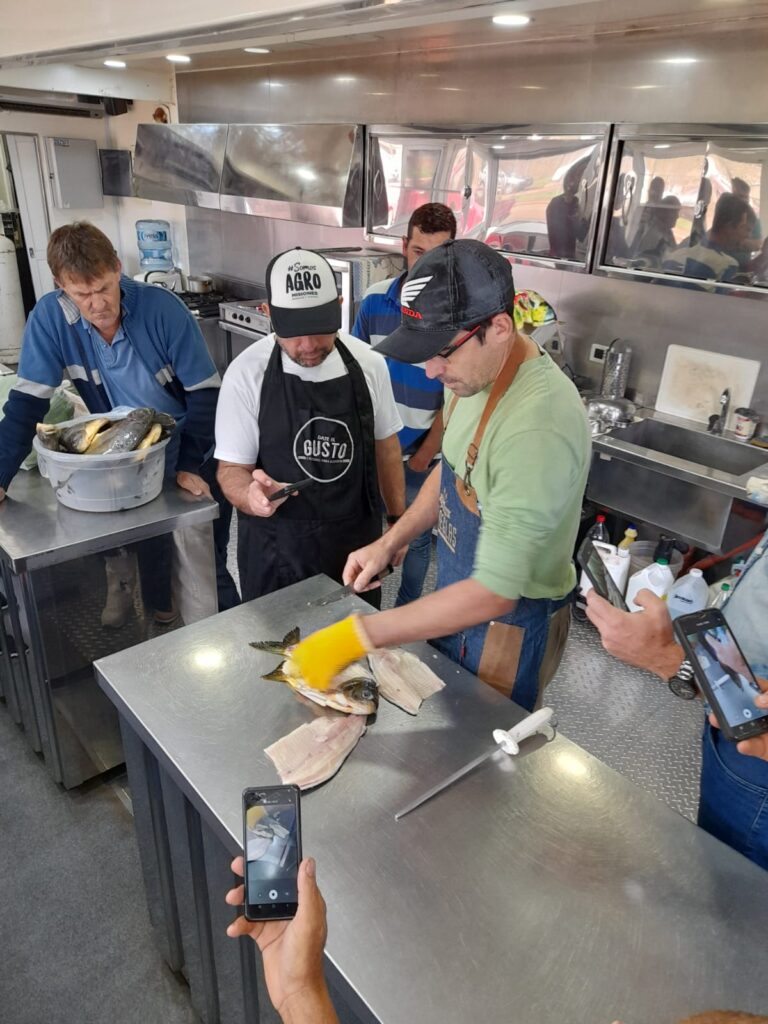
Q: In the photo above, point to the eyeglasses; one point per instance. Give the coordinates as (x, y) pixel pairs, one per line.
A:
(447, 352)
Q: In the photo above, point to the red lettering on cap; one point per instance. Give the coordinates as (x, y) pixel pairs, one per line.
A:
(411, 312)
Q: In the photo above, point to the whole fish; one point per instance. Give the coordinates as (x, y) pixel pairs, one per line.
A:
(78, 438)
(123, 436)
(166, 422)
(151, 437)
(48, 436)
(354, 691)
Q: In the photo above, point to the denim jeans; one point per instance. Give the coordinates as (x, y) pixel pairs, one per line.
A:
(417, 560)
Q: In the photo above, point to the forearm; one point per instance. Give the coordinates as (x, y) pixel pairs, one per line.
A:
(234, 482)
(310, 1006)
(440, 613)
(421, 516)
(17, 428)
(432, 442)
(389, 467)
(197, 436)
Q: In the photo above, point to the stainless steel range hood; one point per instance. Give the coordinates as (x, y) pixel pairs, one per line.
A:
(180, 163)
(311, 173)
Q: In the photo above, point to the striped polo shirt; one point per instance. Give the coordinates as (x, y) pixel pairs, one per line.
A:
(418, 398)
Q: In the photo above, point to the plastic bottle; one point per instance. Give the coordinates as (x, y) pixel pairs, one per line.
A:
(155, 244)
(630, 536)
(722, 596)
(656, 577)
(688, 594)
(599, 531)
(618, 566)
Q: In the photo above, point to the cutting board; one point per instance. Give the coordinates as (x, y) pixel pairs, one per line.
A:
(693, 380)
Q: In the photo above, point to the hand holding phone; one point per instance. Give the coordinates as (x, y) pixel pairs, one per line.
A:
(272, 846)
(290, 489)
(722, 673)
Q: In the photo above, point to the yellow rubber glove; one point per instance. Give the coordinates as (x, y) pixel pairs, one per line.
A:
(320, 658)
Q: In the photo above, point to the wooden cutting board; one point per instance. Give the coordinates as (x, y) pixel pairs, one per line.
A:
(693, 380)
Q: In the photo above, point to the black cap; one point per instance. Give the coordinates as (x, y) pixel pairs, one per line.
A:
(452, 288)
(302, 294)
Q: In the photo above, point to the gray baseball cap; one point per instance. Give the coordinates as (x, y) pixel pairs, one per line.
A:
(451, 288)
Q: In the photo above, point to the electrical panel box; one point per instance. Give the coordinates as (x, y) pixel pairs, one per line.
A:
(75, 173)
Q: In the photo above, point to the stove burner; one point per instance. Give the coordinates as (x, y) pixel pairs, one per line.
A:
(204, 304)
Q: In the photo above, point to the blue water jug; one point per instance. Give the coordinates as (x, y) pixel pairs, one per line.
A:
(155, 244)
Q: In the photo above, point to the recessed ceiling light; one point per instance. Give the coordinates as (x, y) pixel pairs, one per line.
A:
(257, 49)
(114, 64)
(511, 20)
(429, 74)
(645, 87)
(498, 147)
(378, 94)
(345, 79)
(297, 17)
(662, 145)
(450, 88)
(275, 85)
(532, 87)
(587, 138)
(178, 58)
(535, 138)
(681, 60)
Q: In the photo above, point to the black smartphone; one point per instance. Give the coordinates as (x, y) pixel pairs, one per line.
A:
(597, 573)
(272, 851)
(722, 673)
(290, 488)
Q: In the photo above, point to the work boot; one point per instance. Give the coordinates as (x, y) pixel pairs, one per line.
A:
(121, 582)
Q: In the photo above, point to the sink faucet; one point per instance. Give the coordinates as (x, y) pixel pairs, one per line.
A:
(718, 420)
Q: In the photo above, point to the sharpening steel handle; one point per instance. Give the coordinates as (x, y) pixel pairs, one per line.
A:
(538, 721)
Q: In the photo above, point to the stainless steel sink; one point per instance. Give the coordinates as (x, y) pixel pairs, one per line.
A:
(675, 475)
(703, 449)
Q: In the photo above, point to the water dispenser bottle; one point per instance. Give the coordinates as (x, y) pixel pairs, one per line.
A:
(155, 245)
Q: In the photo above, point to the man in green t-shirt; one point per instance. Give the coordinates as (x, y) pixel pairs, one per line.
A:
(506, 498)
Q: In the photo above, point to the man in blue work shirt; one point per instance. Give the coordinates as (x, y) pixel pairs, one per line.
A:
(120, 343)
(419, 400)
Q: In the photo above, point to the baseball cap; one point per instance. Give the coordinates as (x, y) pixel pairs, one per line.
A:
(302, 294)
(451, 288)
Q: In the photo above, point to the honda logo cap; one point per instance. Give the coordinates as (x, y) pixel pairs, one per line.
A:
(302, 295)
(451, 288)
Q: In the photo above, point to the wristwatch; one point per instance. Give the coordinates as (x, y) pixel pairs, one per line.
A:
(682, 684)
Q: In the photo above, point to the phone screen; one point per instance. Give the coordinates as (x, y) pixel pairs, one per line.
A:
(272, 843)
(733, 688)
(598, 575)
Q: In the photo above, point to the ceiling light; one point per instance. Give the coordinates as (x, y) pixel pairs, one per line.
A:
(587, 138)
(498, 147)
(114, 63)
(276, 85)
(450, 88)
(536, 87)
(662, 145)
(511, 20)
(535, 138)
(257, 49)
(344, 79)
(681, 60)
(378, 94)
(297, 17)
(645, 87)
(429, 74)
(178, 58)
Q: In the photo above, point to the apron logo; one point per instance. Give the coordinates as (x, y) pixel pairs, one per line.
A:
(412, 289)
(445, 527)
(323, 448)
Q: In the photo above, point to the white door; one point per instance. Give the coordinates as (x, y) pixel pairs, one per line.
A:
(28, 182)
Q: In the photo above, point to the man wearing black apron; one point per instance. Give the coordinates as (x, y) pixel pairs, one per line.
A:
(306, 404)
(506, 499)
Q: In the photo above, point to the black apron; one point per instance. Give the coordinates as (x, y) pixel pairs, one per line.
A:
(322, 430)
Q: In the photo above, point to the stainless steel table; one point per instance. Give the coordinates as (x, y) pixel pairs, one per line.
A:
(52, 580)
(536, 891)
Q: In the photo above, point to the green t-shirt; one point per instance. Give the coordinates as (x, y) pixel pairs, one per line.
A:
(530, 477)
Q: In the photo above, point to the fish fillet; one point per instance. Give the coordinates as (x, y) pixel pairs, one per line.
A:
(315, 751)
(403, 678)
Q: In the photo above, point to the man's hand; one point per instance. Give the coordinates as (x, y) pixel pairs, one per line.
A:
(644, 639)
(320, 657)
(758, 745)
(419, 463)
(257, 498)
(365, 563)
(728, 654)
(292, 951)
(193, 483)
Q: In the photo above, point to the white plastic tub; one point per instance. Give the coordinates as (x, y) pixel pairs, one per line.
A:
(103, 483)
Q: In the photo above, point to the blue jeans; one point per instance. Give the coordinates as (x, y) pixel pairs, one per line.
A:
(733, 805)
(417, 560)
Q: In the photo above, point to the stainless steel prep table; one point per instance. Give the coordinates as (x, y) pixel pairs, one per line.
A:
(534, 892)
(53, 580)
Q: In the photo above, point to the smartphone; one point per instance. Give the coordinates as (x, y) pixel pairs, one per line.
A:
(272, 849)
(722, 673)
(290, 488)
(591, 562)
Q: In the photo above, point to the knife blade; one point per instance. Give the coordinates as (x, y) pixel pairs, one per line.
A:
(542, 721)
(347, 591)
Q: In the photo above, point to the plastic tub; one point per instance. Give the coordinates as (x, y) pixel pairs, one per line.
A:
(641, 554)
(103, 483)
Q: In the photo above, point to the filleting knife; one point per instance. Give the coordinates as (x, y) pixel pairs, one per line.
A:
(341, 592)
(508, 740)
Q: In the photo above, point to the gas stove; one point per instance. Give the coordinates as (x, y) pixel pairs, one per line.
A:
(203, 304)
(246, 314)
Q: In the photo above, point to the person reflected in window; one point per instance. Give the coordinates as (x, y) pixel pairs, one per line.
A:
(743, 190)
(566, 223)
(617, 249)
(714, 258)
(699, 225)
(658, 237)
(656, 190)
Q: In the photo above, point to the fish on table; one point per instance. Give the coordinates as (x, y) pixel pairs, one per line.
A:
(315, 751)
(403, 679)
(139, 429)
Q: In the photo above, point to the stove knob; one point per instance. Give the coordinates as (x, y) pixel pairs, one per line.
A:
(247, 319)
